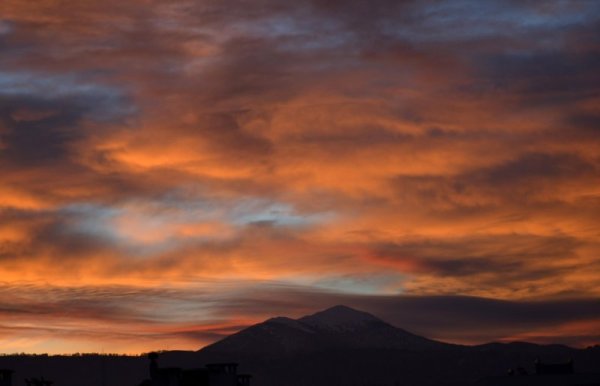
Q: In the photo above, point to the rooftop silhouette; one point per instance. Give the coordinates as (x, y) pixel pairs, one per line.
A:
(213, 374)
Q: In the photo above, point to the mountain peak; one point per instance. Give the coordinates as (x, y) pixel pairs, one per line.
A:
(334, 328)
(339, 315)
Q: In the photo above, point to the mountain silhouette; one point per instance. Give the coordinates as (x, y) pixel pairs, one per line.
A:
(336, 346)
(339, 327)
(344, 346)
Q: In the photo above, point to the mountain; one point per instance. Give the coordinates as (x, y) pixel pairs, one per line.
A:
(343, 346)
(337, 346)
(339, 327)
(339, 316)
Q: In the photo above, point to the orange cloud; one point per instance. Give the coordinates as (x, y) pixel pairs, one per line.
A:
(342, 148)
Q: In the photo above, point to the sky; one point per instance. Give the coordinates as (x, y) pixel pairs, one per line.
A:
(174, 171)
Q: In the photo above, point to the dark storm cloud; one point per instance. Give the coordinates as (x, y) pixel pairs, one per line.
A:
(42, 140)
(226, 132)
(542, 166)
(40, 123)
(542, 79)
(52, 236)
(485, 262)
(35, 302)
(584, 123)
(525, 179)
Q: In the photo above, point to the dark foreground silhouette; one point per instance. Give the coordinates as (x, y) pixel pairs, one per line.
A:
(338, 346)
(213, 374)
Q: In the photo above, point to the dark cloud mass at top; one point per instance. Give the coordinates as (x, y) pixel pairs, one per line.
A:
(171, 171)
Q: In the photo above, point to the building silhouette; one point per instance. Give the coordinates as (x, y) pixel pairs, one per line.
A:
(214, 374)
(546, 374)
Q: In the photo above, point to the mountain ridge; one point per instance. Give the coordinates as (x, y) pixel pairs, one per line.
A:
(338, 327)
(337, 346)
(344, 346)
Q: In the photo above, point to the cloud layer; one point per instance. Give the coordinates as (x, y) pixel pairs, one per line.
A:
(172, 171)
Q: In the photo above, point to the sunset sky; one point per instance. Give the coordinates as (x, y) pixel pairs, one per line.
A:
(173, 171)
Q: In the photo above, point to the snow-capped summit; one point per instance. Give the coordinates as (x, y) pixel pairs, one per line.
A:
(339, 327)
(288, 322)
(339, 317)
